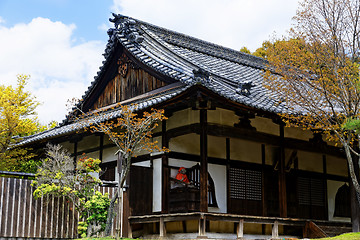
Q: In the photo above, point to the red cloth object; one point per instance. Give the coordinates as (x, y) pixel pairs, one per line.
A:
(182, 177)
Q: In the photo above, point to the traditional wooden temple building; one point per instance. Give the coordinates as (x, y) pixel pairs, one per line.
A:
(248, 174)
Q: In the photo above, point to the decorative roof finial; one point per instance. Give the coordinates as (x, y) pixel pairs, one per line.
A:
(201, 76)
(126, 26)
(244, 88)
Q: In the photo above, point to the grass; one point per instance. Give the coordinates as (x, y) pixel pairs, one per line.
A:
(346, 236)
(104, 238)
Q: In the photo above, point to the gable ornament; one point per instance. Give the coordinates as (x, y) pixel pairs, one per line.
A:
(124, 64)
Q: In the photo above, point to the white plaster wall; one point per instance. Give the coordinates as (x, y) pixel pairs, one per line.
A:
(332, 188)
(159, 128)
(189, 143)
(265, 125)
(218, 174)
(271, 153)
(157, 169)
(94, 155)
(108, 154)
(88, 142)
(217, 147)
(142, 164)
(183, 117)
(68, 146)
(337, 166)
(310, 161)
(222, 116)
(246, 151)
(297, 133)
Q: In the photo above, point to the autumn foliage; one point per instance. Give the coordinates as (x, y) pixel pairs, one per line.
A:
(315, 72)
(131, 132)
(17, 119)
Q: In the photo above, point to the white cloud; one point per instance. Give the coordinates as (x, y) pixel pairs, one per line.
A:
(2, 20)
(59, 67)
(232, 23)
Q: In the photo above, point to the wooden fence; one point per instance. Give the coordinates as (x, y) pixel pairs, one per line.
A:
(21, 216)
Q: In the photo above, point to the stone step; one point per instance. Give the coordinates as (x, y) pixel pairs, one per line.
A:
(332, 231)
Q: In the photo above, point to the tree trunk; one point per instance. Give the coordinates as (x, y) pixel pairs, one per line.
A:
(354, 189)
(125, 168)
(111, 214)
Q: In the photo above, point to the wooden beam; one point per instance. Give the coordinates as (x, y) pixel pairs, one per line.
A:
(203, 162)
(165, 171)
(90, 150)
(255, 136)
(228, 172)
(282, 176)
(176, 217)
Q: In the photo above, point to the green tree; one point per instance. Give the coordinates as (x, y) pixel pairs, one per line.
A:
(57, 176)
(319, 67)
(245, 50)
(262, 51)
(17, 119)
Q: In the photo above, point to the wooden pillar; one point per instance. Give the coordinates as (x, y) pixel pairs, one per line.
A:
(275, 230)
(162, 228)
(126, 213)
(101, 151)
(325, 187)
(202, 227)
(75, 152)
(165, 171)
(240, 229)
(263, 180)
(228, 173)
(126, 210)
(203, 162)
(282, 176)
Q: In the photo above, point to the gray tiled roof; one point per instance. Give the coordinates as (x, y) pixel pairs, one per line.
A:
(141, 102)
(177, 56)
(183, 58)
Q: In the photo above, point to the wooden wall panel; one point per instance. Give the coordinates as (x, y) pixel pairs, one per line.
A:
(134, 83)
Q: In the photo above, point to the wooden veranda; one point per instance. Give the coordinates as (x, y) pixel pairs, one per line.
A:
(310, 228)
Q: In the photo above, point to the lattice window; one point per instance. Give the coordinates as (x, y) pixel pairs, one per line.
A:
(311, 191)
(245, 184)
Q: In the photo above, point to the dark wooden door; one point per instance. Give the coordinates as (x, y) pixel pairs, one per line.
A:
(311, 197)
(271, 192)
(245, 191)
(291, 194)
(141, 189)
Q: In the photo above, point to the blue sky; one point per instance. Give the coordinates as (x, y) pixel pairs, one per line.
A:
(88, 15)
(60, 42)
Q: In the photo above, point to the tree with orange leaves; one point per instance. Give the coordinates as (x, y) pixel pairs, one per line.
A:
(131, 133)
(315, 73)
